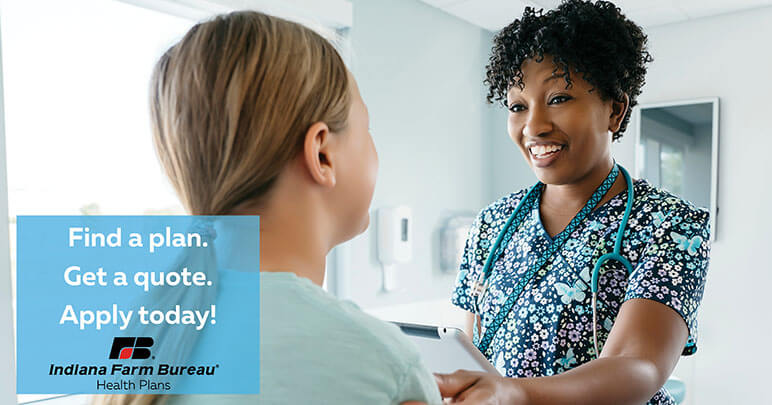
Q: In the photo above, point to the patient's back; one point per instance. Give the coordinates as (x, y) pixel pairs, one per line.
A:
(317, 349)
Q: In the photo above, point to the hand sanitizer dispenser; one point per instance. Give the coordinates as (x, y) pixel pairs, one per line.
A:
(394, 241)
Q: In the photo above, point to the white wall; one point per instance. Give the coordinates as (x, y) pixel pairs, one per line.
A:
(329, 13)
(508, 170)
(727, 56)
(7, 353)
(420, 73)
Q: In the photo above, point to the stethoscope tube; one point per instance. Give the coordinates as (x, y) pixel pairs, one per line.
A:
(488, 267)
(616, 255)
(481, 289)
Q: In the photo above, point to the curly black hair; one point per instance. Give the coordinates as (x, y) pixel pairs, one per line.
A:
(595, 39)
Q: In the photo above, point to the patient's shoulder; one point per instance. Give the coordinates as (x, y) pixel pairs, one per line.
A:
(297, 307)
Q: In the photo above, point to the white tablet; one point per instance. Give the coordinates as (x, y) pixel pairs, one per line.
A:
(445, 349)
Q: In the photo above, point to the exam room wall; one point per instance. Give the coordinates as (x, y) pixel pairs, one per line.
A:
(420, 72)
(726, 56)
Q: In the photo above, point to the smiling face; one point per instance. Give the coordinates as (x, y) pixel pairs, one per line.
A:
(562, 133)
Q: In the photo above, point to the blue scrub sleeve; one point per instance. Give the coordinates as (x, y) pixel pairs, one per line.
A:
(482, 235)
(673, 267)
(470, 267)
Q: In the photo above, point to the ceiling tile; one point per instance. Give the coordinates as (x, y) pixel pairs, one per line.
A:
(654, 16)
(496, 14)
(628, 6)
(442, 3)
(545, 4)
(705, 8)
(490, 14)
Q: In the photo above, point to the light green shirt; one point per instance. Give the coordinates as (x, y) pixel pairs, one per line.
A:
(317, 349)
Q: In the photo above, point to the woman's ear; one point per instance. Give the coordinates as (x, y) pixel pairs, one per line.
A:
(317, 154)
(618, 111)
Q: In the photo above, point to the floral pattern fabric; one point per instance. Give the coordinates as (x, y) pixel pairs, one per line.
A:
(549, 329)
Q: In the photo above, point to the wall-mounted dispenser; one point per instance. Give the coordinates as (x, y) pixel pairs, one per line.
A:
(394, 241)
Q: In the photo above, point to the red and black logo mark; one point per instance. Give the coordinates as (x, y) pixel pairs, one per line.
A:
(131, 347)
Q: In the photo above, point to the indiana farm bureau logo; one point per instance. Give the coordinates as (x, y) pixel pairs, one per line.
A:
(131, 347)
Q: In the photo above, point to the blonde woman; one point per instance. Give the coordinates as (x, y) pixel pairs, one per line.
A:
(255, 115)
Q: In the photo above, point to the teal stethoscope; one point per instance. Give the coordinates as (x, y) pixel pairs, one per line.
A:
(480, 287)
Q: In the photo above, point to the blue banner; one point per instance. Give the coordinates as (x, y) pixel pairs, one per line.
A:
(138, 304)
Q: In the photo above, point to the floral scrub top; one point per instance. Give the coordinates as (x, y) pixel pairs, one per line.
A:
(549, 330)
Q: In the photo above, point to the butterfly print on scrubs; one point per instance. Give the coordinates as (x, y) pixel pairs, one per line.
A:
(549, 329)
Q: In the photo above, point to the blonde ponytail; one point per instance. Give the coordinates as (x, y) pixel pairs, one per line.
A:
(230, 105)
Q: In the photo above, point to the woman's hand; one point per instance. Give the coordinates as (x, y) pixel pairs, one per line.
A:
(476, 387)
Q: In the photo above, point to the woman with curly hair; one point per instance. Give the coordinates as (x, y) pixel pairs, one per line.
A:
(561, 326)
